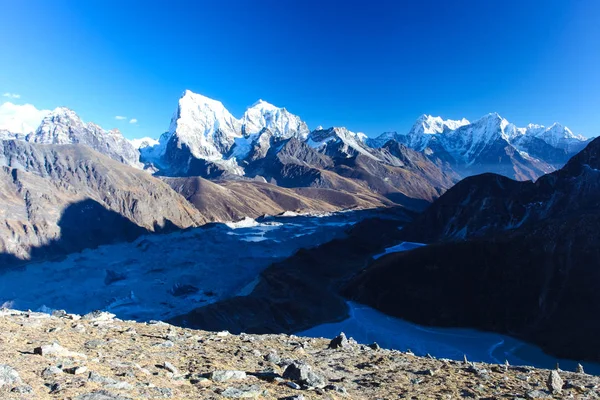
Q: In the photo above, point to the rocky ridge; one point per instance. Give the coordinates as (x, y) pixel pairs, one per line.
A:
(63, 126)
(99, 357)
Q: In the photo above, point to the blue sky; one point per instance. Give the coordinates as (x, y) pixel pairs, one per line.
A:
(372, 66)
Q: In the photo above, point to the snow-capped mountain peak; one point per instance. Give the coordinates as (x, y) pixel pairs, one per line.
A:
(556, 135)
(63, 126)
(424, 128)
(427, 124)
(339, 142)
(55, 127)
(204, 125)
(279, 121)
(142, 143)
(263, 105)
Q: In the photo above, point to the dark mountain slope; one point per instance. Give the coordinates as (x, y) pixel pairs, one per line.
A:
(520, 258)
(540, 285)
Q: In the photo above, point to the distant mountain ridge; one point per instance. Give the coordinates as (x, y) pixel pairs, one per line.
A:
(205, 139)
(491, 144)
(63, 126)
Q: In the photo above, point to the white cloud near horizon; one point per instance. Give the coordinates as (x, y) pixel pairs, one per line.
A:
(20, 118)
(133, 121)
(11, 95)
(120, 117)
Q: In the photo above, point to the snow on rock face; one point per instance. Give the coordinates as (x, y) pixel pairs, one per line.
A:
(382, 139)
(339, 142)
(556, 135)
(468, 141)
(264, 122)
(205, 126)
(478, 142)
(63, 126)
(7, 135)
(427, 124)
(419, 135)
(211, 133)
(279, 121)
(142, 143)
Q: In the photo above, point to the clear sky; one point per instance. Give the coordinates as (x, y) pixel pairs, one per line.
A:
(371, 65)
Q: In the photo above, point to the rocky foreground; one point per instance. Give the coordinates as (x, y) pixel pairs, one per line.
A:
(99, 357)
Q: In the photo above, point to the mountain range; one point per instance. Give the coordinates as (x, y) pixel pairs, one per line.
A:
(205, 139)
(266, 162)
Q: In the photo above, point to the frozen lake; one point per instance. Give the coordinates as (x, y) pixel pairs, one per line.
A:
(161, 276)
(367, 325)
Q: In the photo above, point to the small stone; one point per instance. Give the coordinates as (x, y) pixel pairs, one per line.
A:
(537, 394)
(223, 333)
(94, 344)
(23, 389)
(97, 378)
(246, 392)
(119, 386)
(54, 387)
(580, 369)
(555, 382)
(56, 350)
(76, 370)
(293, 385)
(51, 371)
(374, 346)
(204, 382)
(273, 357)
(98, 316)
(166, 343)
(164, 392)
(339, 389)
(223, 376)
(59, 313)
(100, 395)
(339, 342)
(155, 322)
(8, 376)
(572, 385)
(482, 372)
(171, 368)
(303, 374)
